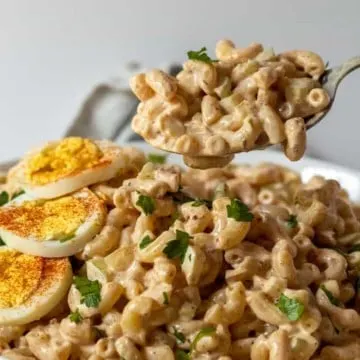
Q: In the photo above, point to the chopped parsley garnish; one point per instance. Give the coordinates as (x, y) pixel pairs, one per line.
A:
(17, 194)
(2, 243)
(207, 331)
(330, 296)
(239, 211)
(292, 221)
(180, 337)
(89, 291)
(182, 355)
(157, 158)
(4, 198)
(199, 202)
(147, 204)
(177, 248)
(145, 242)
(75, 317)
(166, 298)
(354, 248)
(292, 308)
(200, 55)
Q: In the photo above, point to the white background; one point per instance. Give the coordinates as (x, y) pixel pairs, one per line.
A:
(53, 51)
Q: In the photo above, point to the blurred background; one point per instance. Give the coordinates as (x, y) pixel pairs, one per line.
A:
(54, 52)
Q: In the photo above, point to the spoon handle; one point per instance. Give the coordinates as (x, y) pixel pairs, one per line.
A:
(333, 77)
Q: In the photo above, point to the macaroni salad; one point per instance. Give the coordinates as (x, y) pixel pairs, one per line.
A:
(222, 264)
(245, 99)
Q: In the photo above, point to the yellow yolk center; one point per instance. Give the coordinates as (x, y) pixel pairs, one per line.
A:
(67, 157)
(20, 275)
(54, 219)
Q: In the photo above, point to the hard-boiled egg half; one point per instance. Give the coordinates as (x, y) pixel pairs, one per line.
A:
(64, 166)
(30, 286)
(52, 228)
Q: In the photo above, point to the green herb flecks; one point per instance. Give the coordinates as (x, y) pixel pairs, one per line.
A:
(180, 337)
(145, 242)
(200, 55)
(166, 298)
(200, 202)
(157, 158)
(292, 221)
(147, 204)
(182, 355)
(207, 331)
(177, 248)
(75, 317)
(4, 198)
(17, 194)
(292, 308)
(330, 296)
(89, 291)
(239, 211)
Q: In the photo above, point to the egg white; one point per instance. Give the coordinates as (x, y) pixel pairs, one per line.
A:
(117, 158)
(53, 247)
(42, 300)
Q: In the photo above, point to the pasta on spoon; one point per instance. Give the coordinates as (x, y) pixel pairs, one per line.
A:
(245, 99)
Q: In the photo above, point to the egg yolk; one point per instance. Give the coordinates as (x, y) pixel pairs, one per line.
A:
(45, 220)
(62, 159)
(20, 276)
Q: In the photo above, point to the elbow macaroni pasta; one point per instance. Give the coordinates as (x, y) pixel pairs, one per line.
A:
(185, 279)
(245, 99)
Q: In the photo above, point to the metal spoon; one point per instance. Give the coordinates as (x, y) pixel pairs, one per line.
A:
(330, 81)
